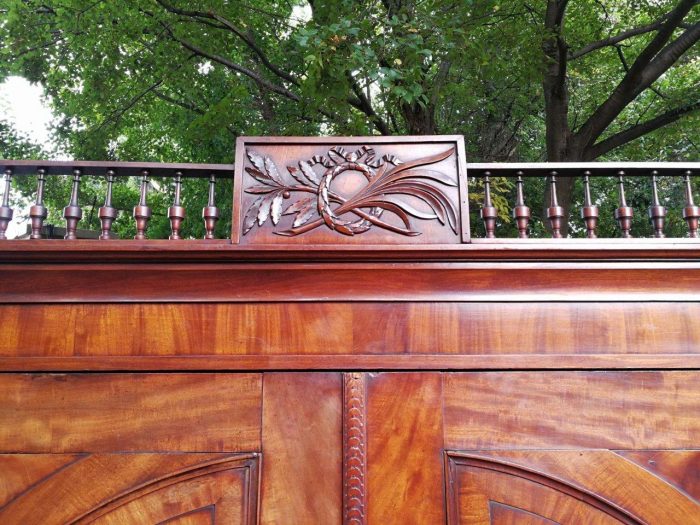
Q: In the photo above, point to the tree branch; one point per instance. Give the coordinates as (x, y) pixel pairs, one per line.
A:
(363, 104)
(227, 24)
(233, 66)
(116, 115)
(613, 40)
(634, 132)
(641, 74)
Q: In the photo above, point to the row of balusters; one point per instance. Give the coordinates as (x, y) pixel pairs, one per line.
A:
(107, 213)
(589, 211)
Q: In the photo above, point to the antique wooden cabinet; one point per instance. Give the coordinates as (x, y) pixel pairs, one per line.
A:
(352, 354)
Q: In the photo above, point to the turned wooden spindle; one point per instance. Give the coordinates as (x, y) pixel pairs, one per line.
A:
(142, 213)
(210, 213)
(73, 213)
(623, 213)
(108, 213)
(657, 212)
(521, 213)
(176, 213)
(489, 213)
(555, 213)
(691, 212)
(589, 212)
(38, 211)
(5, 210)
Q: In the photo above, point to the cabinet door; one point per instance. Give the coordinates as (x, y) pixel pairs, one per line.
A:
(533, 447)
(572, 447)
(129, 448)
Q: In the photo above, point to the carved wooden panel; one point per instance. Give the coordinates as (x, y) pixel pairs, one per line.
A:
(133, 488)
(364, 190)
(552, 487)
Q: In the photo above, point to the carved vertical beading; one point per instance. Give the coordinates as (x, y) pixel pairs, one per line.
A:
(354, 448)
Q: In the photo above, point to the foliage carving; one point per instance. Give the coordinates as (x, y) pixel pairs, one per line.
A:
(389, 182)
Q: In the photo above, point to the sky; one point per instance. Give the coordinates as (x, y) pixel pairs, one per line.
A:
(22, 104)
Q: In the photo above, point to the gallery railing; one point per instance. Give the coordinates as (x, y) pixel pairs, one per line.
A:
(677, 178)
(107, 213)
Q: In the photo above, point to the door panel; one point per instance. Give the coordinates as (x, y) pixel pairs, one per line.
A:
(130, 412)
(136, 488)
(586, 486)
(572, 447)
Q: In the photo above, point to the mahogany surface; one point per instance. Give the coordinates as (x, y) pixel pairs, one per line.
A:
(369, 379)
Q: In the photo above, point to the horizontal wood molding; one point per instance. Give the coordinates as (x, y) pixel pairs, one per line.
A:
(353, 362)
(222, 250)
(406, 282)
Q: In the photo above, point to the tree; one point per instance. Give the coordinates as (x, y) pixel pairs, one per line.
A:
(170, 80)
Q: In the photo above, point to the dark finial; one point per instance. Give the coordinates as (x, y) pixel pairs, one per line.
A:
(555, 213)
(656, 212)
(5, 210)
(210, 213)
(73, 213)
(176, 213)
(521, 213)
(624, 213)
(142, 213)
(107, 213)
(38, 211)
(691, 212)
(589, 212)
(489, 213)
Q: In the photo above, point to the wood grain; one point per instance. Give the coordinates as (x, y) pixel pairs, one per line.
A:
(349, 329)
(405, 446)
(229, 363)
(130, 412)
(680, 468)
(616, 410)
(140, 488)
(301, 449)
(536, 282)
(607, 482)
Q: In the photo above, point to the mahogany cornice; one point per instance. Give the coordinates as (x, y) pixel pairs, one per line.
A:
(221, 250)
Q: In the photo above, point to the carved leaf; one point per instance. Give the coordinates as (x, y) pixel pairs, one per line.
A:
(297, 206)
(251, 215)
(410, 209)
(260, 176)
(272, 171)
(259, 189)
(392, 207)
(276, 208)
(309, 173)
(421, 174)
(294, 172)
(304, 215)
(264, 210)
(257, 160)
(438, 201)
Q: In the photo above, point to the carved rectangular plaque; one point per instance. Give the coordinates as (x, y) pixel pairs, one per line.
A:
(350, 190)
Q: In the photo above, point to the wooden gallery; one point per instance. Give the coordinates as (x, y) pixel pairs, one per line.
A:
(357, 351)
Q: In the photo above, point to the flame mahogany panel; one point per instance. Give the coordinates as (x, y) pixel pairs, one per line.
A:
(130, 412)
